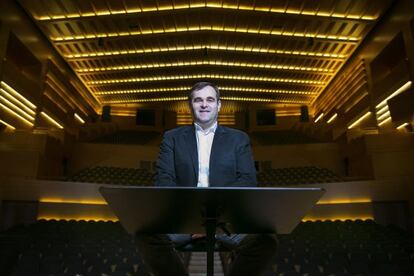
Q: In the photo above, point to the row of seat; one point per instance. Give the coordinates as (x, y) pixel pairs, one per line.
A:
(281, 137)
(114, 175)
(98, 248)
(129, 137)
(296, 176)
(267, 178)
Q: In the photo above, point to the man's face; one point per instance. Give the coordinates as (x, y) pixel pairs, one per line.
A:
(205, 107)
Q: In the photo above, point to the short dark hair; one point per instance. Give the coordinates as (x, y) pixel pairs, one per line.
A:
(200, 85)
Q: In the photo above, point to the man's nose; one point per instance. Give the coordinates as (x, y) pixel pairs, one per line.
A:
(204, 104)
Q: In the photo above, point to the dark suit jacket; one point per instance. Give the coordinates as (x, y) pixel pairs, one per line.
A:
(231, 160)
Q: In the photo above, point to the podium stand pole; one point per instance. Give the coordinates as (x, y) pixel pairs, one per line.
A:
(210, 224)
(211, 241)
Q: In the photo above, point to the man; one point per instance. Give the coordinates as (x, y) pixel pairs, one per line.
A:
(206, 155)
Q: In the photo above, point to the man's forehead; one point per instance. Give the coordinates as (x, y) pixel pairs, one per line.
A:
(205, 92)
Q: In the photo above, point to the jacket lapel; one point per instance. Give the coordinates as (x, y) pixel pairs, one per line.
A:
(216, 147)
(191, 146)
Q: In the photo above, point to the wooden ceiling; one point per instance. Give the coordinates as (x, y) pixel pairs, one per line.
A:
(137, 51)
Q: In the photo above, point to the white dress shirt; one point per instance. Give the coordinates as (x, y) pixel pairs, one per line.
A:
(204, 142)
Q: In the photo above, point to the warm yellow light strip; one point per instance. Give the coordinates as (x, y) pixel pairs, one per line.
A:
(402, 126)
(136, 91)
(123, 113)
(139, 10)
(203, 47)
(222, 88)
(108, 219)
(385, 121)
(342, 218)
(53, 121)
(319, 117)
(65, 201)
(185, 98)
(385, 115)
(260, 90)
(7, 124)
(398, 91)
(200, 76)
(344, 201)
(360, 120)
(198, 28)
(165, 99)
(16, 94)
(15, 114)
(287, 114)
(17, 102)
(17, 109)
(382, 110)
(77, 218)
(79, 118)
(332, 118)
(261, 100)
(204, 62)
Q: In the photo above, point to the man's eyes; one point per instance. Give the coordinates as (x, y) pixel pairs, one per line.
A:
(197, 100)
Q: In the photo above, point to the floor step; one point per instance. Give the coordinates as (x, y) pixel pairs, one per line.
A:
(198, 264)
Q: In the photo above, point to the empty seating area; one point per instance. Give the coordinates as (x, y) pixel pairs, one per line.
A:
(70, 248)
(345, 248)
(281, 137)
(104, 248)
(114, 175)
(296, 176)
(129, 137)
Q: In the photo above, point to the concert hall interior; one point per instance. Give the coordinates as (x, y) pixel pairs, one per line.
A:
(323, 89)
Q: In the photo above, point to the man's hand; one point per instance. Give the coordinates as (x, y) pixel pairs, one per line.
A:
(197, 236)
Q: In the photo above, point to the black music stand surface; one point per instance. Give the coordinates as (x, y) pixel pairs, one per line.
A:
(165, 210)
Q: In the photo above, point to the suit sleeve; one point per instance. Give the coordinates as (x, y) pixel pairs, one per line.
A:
(165, 164)
(245, 169)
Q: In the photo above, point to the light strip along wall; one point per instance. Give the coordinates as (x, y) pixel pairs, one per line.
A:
(79, 118)
(16, 104)
(319, 117)
(50, 119)
(382, 111)
(7, 124)
(358, 121)
(402, 126)
(332, 118)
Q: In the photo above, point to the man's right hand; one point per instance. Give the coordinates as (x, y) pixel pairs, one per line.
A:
(197, 236)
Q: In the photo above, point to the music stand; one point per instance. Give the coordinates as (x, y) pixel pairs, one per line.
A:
(164, 210)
